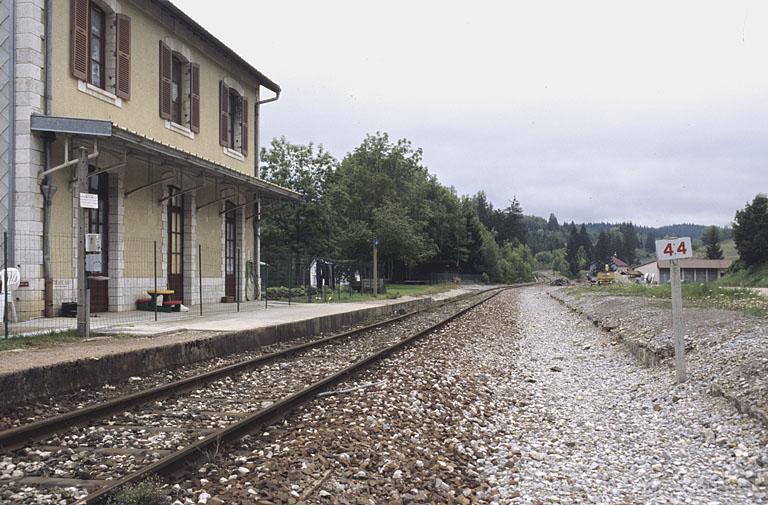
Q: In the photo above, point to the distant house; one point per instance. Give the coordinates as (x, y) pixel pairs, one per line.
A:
(691, 269)
(621, 265)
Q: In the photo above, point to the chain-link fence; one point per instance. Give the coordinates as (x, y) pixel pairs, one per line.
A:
(132, 283)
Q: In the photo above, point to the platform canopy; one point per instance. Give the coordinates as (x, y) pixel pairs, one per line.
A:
(126, 143)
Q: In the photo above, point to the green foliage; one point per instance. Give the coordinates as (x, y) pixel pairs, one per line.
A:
(147, 492)
(711, 240)
(382, 191)
(697, 294)
(739, 275)
(750, 232)
(310, 226)
(650, 242)
(560, 264)
(544, 260)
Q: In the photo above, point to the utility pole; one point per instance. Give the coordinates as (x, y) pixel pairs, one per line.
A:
(83, 305)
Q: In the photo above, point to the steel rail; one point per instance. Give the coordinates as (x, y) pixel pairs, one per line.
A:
(19, 436)
(267, 415)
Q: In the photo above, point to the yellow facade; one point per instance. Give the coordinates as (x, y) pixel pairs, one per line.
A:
(141, 112)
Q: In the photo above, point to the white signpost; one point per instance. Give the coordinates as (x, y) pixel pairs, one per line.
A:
(674, 250)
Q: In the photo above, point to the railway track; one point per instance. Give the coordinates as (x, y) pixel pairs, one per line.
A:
(89, 453)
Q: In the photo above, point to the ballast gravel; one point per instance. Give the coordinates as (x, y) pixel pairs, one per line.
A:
(519, 401)
(599, 428)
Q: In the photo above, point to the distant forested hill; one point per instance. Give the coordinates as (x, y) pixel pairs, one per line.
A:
(676, 230)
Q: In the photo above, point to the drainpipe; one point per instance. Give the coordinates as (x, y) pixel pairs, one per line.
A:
(257, 216)
(46, 188)
(12, 143)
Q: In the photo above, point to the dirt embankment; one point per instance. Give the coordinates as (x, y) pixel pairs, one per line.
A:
(725, 349)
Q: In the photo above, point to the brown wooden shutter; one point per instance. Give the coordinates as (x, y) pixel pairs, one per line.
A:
(165, 81)
(123, 74)
(244, 125)
(194, 97)
(223, 114)
(80, 39)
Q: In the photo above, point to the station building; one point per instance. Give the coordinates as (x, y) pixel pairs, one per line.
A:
(169, 116)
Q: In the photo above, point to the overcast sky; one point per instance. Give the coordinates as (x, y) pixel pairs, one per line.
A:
(653, 111)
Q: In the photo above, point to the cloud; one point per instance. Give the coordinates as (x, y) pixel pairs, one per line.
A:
(594, 110)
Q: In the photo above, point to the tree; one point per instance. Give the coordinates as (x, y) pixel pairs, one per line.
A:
(585, 243)
(552, 224)
(559, 263)
(650, 242)
(711, 240)
(630, 242)
(572, 250)
(602, 251)
(750, 232)
(309, 227)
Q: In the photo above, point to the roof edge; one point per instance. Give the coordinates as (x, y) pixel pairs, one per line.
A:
(263, 79)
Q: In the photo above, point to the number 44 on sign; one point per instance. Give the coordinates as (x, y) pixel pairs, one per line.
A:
(674, 249)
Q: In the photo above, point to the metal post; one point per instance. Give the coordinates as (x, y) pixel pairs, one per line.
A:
(5, 282)
(375, 270)
(200, 274)
(237, 279)
(308, 279)
(257, 246)
(266, 285)
(290, 279)
(677, 322)
(83, 316)
(154, 264)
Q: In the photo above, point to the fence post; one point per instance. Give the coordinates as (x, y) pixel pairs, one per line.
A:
(5, 282)
(237, 278)
(200, 274)
(266, 286)
(290, 279)
(154, 265)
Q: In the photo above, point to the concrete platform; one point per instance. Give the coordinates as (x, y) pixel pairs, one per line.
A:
(144, 347)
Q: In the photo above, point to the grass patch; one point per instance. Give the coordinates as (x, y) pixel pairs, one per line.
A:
(705, 295)
(748, 277)
(48, 339)
(147, 492)
(395, 291)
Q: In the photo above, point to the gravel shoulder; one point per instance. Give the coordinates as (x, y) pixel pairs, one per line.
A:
(520, 401)
(727, 351)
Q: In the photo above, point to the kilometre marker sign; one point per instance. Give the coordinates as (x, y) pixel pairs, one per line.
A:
(674, 249)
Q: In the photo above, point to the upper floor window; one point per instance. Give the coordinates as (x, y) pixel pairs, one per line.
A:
(176, 89)
(101, 47)
(179, 89)
(96, 42)
(233, 124)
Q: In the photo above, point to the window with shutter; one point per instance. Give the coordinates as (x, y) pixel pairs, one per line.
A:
(97, 47)
(80, 39)
(244, 126)
(224, 114)
(123, 67)
(194, 97)
(165, 81)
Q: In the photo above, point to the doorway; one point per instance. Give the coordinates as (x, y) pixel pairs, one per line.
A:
(176, 243)
(230, 282)
(97, 263)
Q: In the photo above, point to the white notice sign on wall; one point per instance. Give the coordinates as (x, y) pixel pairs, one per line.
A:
(89, 201)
